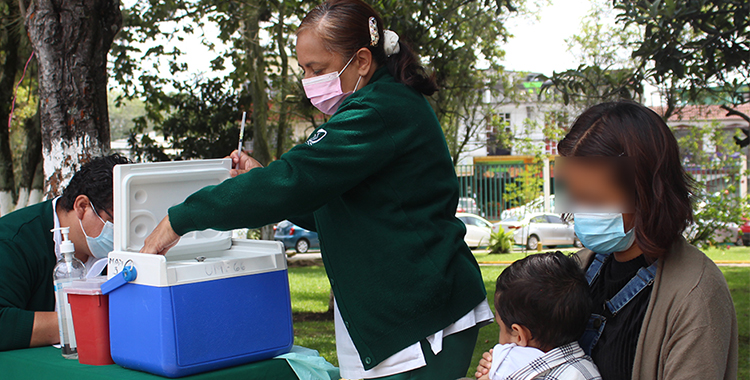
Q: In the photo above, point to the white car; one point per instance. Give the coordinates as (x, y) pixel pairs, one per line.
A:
(478, 229)
(468, 206)
(535, 206)
(540, 228)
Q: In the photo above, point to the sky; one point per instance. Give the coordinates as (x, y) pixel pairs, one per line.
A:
(539, 45)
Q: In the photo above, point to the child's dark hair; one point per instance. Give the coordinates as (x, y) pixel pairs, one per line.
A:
(343, 26)
(93, 180)
(546, 293)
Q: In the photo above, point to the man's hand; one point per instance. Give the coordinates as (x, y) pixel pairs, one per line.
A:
(242, 163)
(483, 369)
(161, 239)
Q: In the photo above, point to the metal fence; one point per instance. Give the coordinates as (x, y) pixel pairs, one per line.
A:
(487, 184)
(716, 179)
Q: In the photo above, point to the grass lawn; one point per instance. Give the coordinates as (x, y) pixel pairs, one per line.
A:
(309, 287)
(718, 254)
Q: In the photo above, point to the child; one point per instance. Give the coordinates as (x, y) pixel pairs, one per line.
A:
(542, 305)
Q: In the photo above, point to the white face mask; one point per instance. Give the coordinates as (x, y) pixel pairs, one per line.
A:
(325, 91)
(103, 244)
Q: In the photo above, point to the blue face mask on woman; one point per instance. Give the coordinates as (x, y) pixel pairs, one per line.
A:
(103, 244)
(603, 232)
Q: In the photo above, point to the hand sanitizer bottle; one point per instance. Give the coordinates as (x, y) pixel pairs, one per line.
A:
(69, 268)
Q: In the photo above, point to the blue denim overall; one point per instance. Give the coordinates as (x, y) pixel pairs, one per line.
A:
(642, 279)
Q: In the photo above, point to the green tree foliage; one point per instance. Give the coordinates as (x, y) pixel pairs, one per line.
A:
(718, 207)
(203, 123)
(20, 140)
(604, 72)
(693, 51)
(702, 44)
(527, 185)
(121, 117)
(450, 36)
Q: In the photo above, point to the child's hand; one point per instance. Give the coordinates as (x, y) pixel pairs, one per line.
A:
(483, 369)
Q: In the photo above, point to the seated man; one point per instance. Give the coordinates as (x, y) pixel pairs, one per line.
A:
(29, 251)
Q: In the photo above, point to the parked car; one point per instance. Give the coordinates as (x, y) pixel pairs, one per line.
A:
(540, 228)
(295, 237)
(478, 229)
(535, 206)
(469, 206)
(745, 230)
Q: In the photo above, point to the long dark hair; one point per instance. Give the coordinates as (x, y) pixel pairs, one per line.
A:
(661, 187)
(343, 25)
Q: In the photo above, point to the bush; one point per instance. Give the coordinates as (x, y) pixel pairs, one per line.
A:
(501, 241)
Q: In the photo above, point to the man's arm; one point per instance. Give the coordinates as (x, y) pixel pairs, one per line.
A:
(45, 331)
(20, 328)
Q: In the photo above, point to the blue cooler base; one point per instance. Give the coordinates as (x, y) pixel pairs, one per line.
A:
(186, 329)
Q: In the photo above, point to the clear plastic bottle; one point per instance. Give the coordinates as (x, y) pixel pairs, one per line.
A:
(66, 270)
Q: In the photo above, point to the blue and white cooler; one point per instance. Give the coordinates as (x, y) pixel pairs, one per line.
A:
(210, 302)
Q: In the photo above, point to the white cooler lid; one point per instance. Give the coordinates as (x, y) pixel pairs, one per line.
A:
(144, 192)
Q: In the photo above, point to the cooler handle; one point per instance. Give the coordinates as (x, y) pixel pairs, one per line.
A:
(127, 274)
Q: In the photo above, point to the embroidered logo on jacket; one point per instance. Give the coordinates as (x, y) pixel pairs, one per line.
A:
(317, 136)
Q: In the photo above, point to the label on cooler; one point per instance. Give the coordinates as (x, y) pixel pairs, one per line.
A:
(188, 271)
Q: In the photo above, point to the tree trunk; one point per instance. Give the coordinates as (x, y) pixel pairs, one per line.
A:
(37, 185)
(30, 162)
(71, 40)
(261, 151)
(9, 69)
(283, 105)
(330, 302)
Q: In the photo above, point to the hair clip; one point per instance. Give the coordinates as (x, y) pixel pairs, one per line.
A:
(374, 36)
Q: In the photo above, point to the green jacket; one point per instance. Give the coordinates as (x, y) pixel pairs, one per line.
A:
(27, 258)
(378, 185)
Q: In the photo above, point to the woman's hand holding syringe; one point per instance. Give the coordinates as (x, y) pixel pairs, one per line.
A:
(242, 163)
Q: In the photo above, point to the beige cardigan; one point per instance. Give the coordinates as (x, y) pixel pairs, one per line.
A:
(690, 327)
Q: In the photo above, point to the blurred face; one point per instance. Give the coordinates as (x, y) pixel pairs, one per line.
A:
(314, 59)
(593, 185)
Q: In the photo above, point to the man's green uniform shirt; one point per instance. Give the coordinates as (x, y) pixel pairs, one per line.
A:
(27, 258)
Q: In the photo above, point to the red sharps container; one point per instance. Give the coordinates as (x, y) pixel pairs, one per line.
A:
(90, 310)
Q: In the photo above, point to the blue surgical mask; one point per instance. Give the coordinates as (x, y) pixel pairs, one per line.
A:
(603, 232)
(103, 244)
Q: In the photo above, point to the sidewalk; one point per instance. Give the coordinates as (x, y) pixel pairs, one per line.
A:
(314, 258)
(304, 259)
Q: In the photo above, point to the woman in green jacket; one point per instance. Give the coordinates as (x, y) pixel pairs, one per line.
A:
(378, 185)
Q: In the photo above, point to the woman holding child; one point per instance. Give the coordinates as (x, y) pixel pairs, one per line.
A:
(661, 308)
(409, 306)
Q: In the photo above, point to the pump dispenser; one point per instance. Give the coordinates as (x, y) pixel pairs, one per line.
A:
(66, 270)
